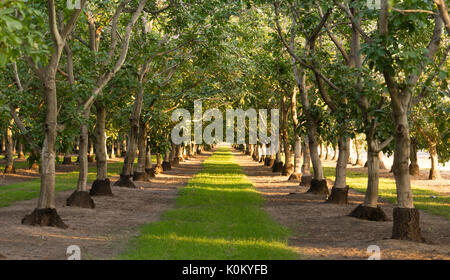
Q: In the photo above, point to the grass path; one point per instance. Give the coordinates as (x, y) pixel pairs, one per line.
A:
(218, 215)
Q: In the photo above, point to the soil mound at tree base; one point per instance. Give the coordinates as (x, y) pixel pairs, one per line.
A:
(277, 167)
(125, 182)
(166, 165)
(318, 187)
(44, 217)
(306, 180)
(338, 196)
(140, 177)
(369, 213)
(80, 199)
(407, 225)
(101, 187)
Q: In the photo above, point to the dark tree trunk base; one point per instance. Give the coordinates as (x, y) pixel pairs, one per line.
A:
(10, 169)
(407, 225)
(271, 162)
(91, 158)
(306, 180)
(295, 177)
(140, 177)
(414, 170)
(80, 199)
(338, 196)
(277, 166)
(125, 182)
(369, 213)
(151, 173)
(47, 217)
(101, 187)
(287, 170)
(318, 187)
(67, 160)
(267, 161)
(166, 165)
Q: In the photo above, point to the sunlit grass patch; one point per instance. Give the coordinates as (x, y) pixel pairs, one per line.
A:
(218, 215)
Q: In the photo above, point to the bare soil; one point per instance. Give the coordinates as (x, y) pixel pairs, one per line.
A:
(101, 233)
(325, 231)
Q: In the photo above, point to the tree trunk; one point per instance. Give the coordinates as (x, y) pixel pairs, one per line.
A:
(45, 214)
(113, 152)
(380, 160)
(102, 184)
(119, 149)
(414, 166)
(339, 193)
(403, 228)
(434, 170)
(358, 160)
(9, 169)
(127, 170)
(335, 150)
(370, 210)
(306, 167)
(297, 173)
(91, 156)
(140, 174)
(80, 197)
(20, 154)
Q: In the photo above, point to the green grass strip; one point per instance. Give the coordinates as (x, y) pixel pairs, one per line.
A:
(218, 216)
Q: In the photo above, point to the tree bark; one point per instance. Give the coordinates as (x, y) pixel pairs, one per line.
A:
(297, 173)
(358, 160)
(113, 152)
(9, 169)
(434, 170)
(140, 174)
(339, 193)
(100, 151)
(414, 169)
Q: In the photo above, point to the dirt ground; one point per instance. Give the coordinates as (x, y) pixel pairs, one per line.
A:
(101, 233)
(324, 231)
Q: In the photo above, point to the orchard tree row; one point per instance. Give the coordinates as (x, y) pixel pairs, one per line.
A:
(105, 79)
